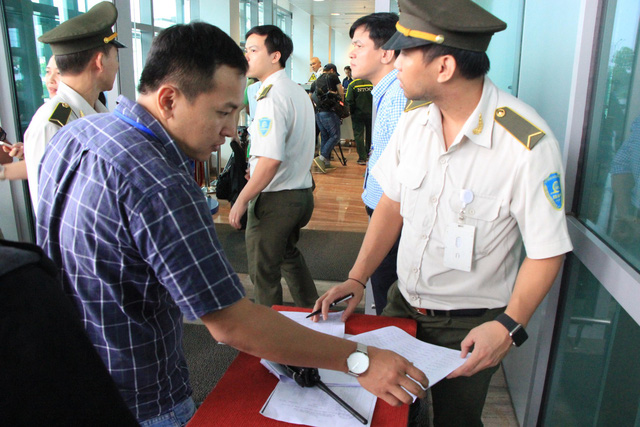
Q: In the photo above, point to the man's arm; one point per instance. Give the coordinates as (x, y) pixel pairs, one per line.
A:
(263, 173)
(491, 341)
(263, 332)
(382, 233)
(15, 170)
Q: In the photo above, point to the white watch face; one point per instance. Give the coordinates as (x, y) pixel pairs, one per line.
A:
(358, 363)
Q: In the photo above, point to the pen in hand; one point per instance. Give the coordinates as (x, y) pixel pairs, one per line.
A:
(336, 302)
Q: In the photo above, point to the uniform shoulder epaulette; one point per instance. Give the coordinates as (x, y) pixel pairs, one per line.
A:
(521, 129)
(264, 92)
(413, 104)
(61, 114)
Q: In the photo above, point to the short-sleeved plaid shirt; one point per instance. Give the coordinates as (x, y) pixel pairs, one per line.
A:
(122, 216)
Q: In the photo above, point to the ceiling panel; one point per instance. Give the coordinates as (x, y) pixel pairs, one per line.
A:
(348, 10)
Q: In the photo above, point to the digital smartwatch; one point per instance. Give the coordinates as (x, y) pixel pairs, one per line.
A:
(516, 330)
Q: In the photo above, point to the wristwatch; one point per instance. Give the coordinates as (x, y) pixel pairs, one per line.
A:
(516, 330)
(358, 361)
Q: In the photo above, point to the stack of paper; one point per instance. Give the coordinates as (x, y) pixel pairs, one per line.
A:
(311, 406)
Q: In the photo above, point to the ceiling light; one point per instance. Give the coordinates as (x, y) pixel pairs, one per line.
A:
(335, 14)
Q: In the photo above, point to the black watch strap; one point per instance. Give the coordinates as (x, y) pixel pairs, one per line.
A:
(516, 330)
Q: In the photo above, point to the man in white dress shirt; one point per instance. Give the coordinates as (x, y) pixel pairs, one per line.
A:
(278, 195)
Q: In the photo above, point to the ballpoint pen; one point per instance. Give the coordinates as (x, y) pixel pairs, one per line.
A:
(336, 302)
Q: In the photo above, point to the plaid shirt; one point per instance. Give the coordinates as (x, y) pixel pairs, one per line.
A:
(389, 99)
(123, 217)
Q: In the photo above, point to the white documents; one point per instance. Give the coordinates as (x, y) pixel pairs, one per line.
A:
(332, 326)
(435, 361)
(311, 406)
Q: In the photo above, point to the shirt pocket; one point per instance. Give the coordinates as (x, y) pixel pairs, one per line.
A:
(484, 213)
(411, 179)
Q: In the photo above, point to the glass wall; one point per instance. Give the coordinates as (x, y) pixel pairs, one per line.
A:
(148, 17)
(26, 21)
(595, 379)
(609, 199)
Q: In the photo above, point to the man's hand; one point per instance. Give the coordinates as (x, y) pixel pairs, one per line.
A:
(16, 150)
(490, 342)
(336, 293)
(235, 214)
(390, 376)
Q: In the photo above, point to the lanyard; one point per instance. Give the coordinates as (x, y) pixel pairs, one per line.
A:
(136, 125)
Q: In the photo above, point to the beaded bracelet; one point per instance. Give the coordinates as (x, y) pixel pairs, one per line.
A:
(356, 280)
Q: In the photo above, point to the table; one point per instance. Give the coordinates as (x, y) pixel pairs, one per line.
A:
(239, 395)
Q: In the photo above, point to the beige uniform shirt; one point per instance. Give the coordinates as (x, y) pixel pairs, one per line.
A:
(283, 129)
(41, 130)
(513, 202)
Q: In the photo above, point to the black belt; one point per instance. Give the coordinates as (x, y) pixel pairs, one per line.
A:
(465, 312)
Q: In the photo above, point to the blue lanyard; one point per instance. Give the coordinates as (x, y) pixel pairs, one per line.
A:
(379, 101)
(136, 125)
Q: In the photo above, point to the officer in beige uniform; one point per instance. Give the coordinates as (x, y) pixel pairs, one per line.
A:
(86, 54)
(468, 178)
(282, 145)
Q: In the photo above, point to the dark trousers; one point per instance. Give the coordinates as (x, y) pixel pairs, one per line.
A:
(273, 231)
(362, 134)
(385, 275)
(459, 401)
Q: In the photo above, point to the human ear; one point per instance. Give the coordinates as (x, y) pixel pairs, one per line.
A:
(388, 56)
(276, 57)
(166, 100)
(446, 68)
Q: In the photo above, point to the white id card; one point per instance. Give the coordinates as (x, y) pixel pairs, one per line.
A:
(458, 246)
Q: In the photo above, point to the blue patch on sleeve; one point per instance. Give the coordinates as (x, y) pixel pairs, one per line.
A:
(553, 191)
(264, 125)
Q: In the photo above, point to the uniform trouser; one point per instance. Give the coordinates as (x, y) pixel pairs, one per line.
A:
(361, 130)
(459, 401)
(273, 230)
(385, 275)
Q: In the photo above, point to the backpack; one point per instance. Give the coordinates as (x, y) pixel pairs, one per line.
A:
(231, 181)
(328, 100)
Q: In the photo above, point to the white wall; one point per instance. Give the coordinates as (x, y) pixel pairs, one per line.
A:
(548, 50)
(321, 41)
(301, 36)
(341, 53)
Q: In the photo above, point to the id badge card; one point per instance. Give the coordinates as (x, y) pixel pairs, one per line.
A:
(458, 246)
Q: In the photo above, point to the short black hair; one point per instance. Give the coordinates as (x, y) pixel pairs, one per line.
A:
(276, 41)
(188, 56)
(75, 63)
(470, 64)
(381, 27)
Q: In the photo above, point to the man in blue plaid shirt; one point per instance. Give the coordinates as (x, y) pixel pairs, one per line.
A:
(121, 215)
(369, 61)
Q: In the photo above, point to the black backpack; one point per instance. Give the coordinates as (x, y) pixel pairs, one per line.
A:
(231, 181)
(328, 100)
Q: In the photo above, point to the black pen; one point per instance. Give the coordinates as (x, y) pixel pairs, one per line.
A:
(336, 302)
